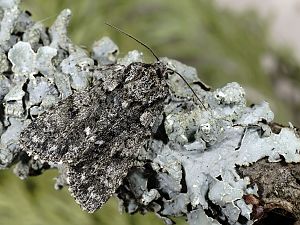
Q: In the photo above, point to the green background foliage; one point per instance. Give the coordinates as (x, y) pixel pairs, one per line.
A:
(222, 45)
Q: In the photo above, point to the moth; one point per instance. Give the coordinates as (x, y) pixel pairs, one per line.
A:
(98, 133)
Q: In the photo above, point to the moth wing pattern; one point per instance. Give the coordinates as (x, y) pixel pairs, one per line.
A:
(50, 136)
(98, 133)
(92, 182)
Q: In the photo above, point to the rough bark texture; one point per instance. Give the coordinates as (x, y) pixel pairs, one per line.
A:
(279, 190)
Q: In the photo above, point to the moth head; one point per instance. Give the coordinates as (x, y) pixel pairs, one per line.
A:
(160, 67)
(145, 83)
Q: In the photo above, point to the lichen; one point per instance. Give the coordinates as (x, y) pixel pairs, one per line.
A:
(105, 51)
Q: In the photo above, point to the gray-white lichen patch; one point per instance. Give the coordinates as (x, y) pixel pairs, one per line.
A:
(22, 58)
(35, 35)
(132, 56)
(105, 51)
(58, 31)
(5, 84)
(27, 63)
(9, 141)
(177, 85)
(11, 13)
(6, 4)
(43, 62)
(75, 66)
(3, 62)
(198, 216)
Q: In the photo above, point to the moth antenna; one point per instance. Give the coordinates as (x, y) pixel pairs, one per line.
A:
(47, 18)
(137, 40)
(189, 87)
(146, 46)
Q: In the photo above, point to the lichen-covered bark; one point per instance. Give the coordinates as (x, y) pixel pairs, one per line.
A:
(279, 190)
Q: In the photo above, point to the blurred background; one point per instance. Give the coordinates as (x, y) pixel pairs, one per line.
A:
(255, 43)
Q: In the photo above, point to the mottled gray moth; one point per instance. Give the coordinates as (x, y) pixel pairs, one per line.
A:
(98, 133)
